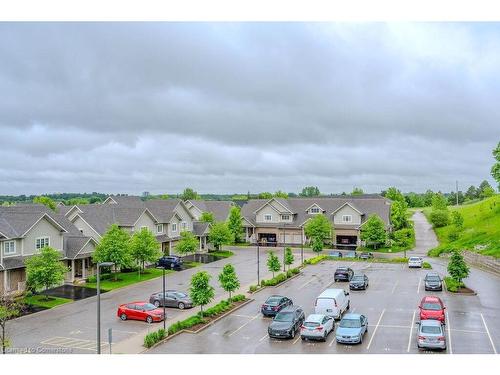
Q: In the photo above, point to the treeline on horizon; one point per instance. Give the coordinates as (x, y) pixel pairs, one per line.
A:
(413, 199)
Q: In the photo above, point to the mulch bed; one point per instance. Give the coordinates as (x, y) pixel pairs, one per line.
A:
(209, 320)
(465, 290)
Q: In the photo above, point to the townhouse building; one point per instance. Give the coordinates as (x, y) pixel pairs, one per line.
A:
(279, 221)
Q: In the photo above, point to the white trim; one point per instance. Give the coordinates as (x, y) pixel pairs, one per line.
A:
(248, 221)
(269, 203)
(162, 228)
(314, 204)
(71, 209)
(185, 208)
(150, 214)
(270, 218)
(106, 201)
(1, 234)
(350, 205)
(90, 226)
(42, 238)
(172, 227)
(90, 239)
(54, 223)
(3, 247)
(346, 221)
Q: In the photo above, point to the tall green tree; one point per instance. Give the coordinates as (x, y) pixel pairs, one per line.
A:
(189, 194)
(228, 279)
(310, 191)
(439, 202)
(220, 235)
(114, 247)
(144, 248)
(495, 169)
(289, 258)
(357, 191)
(439, 218)
(207, 217)
(187, 244)
(487, 192)
(428, 195)
(281, 194)
(200, 291)
(45, 270)
(394, 195)
(457, 268)
(46, 201)
(273, 263)
(265, 195)
(472, 193)
(399, 218)
(457, 219)
(318, 230)
(373, 231)
(9, 309)
(235, 223)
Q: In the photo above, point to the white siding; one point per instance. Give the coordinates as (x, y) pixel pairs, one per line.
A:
(347, 210)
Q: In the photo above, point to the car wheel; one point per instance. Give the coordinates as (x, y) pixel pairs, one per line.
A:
(360, 339)
(156, 303)
(181, 305)
(324, 337)
(348, 305)
(303, 338)
(149, 319)
(123, 316)
(292, 334)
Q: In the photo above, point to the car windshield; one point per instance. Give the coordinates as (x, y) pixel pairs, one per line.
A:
(350, 323)
(433, 278)
(341, 269)
(273, 301)
(431, 306)
(180, 295)
(414, 259)
(358, 278)
(431, 329)
(284, 317)
(148, 307)
(311, 324)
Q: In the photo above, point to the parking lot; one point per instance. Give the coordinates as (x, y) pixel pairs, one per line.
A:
(390, 303)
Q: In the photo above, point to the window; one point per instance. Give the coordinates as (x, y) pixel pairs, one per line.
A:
(174, 227)
(144, 227)
(268, 217)
(159, 228)
(346, 218)
(42, 242)
(183, 226)
(285, 217)
(314, 210)
(9, 247)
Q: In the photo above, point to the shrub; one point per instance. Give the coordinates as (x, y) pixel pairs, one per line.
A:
(452, 285)
(439, 218)
(454, 235)
(253, 288)
(426, 265)
(104, 276)
(152, 338)
(238, 298)
(316, 259)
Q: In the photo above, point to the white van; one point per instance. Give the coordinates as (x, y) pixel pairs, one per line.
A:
(332, 302)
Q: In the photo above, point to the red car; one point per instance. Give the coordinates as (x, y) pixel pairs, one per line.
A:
(140, 311)
(432, 308)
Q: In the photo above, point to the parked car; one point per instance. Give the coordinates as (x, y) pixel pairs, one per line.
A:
(335, 254)
(351, 254)
(358, 282)
(431, 335)
(317, 327)
(351, 329)
(366, 255)
(275, 304)
(287, 322)
(140, 311)
(343, 274)
(172, 298)
(433, 281)
(170, 262)
(432, 307)
(332, 302)
(415, 262)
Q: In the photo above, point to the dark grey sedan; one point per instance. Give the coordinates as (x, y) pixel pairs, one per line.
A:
(172, 298)
(287, 322)
(358, 282)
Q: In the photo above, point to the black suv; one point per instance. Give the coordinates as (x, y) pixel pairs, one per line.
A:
(343, 274)
(275, 304)
(287, 322)
(170, 262)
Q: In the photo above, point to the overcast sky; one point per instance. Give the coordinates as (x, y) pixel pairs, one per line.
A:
(235, 107)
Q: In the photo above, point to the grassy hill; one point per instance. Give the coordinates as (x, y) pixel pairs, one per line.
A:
(481, 227)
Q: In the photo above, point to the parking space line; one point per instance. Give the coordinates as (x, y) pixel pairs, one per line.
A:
(242, 316)
(394, 287)
(264, 337)
(310, 281)
(489, 336)
(242, 326)
(411, 330)
(448, 328)
(331, 342)
(375, 330)
(296, 340)
(419, 282)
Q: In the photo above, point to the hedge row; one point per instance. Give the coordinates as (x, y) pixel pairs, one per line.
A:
(451, 284)
(316, 259)
(279, 278)
(154, 337)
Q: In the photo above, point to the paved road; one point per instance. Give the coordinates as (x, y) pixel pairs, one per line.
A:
(72, 327)
(424, 235)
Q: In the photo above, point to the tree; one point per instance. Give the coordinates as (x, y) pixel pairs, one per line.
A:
(318, 229)
(495, 169)
(487, 192)
(357, 191)
(439, 218)
(46, 201)
(228, 279)
(439, 202)
(310, 191)
(207, 217)
(457, 268)
(189, 194)
(201, 292)
(281, 194)
(414, 200)
(235, 223)
(9, 309)
(273, 263)
(373, 231)
(114, 247)
(220, 235)
(187, 244)
(265, 195)
(289, 258)
(457, 219)
(45, 270)
(144, 248)
(399, 218)
(429, 194)
(472, 193)
(394, 195)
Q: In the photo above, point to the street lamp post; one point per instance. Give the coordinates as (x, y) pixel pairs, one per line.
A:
(284, 251)
(302, 246)
(99, 265)
(258, 264)
(163, 301)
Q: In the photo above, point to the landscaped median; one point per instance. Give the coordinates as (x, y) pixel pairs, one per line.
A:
(197, 322)
(43, 301)
(321, 258)
(110, 281)
(276, 280)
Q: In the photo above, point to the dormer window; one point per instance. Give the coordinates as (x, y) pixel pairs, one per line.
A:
(268, 217)
(285, 217)
(314, 210)
(346, 218)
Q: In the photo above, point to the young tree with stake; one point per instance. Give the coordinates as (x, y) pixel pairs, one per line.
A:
(201, 292)
(228, 279)
(289, 258)
(273, 263)
(45, 270)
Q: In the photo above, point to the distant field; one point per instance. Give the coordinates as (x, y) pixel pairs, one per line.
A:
(481, 227)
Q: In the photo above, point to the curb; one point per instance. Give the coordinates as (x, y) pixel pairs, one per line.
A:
(275, 286)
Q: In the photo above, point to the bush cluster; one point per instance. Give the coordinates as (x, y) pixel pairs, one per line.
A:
(253, 288)
(103, 276)
(426, 265)
(451, 284)
(279, 278)
(316, 259)
(439, 218)
(154, 337)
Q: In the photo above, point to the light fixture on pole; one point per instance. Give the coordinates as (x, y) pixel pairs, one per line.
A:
(99, 265)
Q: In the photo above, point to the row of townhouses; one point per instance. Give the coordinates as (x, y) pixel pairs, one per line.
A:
(76, 230)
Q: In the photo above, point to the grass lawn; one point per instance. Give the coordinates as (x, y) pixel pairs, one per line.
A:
(125, 279)
(223, 254)
(192, 264)
(39, 300)
(481, 227)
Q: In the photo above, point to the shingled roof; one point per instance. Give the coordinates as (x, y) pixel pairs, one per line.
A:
(220, 209)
